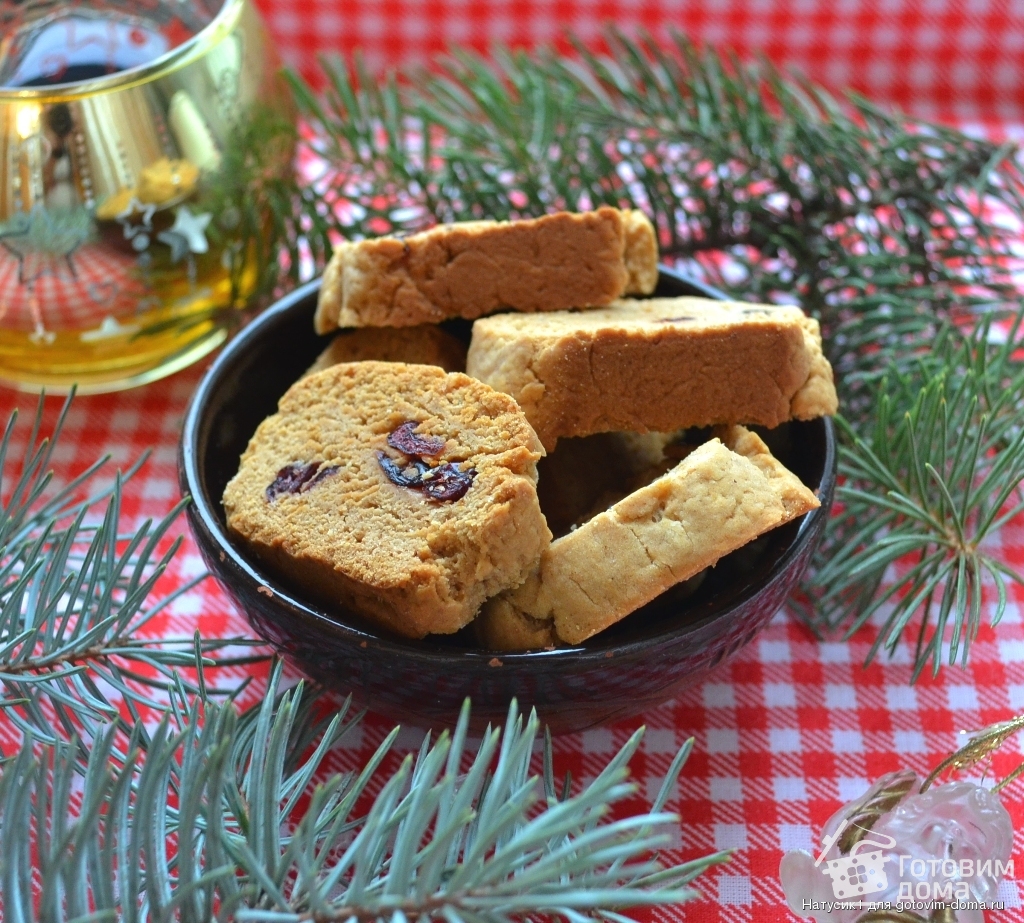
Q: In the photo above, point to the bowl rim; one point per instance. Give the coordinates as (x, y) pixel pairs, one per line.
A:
(203, 517)
(194, 46)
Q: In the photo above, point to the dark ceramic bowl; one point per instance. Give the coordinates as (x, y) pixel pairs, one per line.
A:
(644, 660)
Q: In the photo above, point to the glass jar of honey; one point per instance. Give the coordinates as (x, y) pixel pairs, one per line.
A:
(137, 142)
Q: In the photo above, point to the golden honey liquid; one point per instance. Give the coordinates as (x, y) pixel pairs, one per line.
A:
(122, 360)
(128, 239)
(194, 319)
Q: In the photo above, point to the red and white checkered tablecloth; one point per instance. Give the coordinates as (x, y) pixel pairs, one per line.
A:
(935, 58)
(785, 733)
(791, 728)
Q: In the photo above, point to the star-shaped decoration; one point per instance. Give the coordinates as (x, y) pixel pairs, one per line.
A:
(106, 330)
(135, 206)
(177, 242)
(138, 234)
(192, 228)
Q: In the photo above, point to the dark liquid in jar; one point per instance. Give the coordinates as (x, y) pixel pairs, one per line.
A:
(91, 41)
(72, 74)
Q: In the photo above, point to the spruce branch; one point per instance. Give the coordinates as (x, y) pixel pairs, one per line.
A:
(935, 478)
(75, 598)
(840, 204)
(206, 827)
(881, 225)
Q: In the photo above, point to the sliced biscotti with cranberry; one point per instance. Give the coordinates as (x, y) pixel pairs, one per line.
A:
(398, 491)
(657, 365)
(723, 495)
(426, 344)
(565, 260)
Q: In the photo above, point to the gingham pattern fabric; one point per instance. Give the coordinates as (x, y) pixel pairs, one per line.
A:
(786, 732)
(42, 292)
(791, 728)
(936, 58)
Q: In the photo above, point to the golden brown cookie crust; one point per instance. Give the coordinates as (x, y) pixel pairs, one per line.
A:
(425, 344)
(714, 501)
(358, 540)
(475, 268)
(657, 365)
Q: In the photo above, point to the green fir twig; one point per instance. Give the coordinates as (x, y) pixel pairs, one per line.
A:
(878, 224)
(926, 489)
(206, 812)
(76, 596)
(206, 827)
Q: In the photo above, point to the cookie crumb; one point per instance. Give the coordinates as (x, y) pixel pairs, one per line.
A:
(265, 590)
(494, 662)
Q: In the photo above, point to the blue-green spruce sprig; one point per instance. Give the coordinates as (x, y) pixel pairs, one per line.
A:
(880, 224)
(928, 488)
(205, 823)
(76, 596)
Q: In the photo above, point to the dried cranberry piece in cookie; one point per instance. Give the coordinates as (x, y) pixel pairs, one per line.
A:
(405, 440)
(397, 474)
(320, 475)
(447, 482)
(297, 478)
(290, 478)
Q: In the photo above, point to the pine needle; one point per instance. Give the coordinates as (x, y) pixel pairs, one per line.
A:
(202, 828)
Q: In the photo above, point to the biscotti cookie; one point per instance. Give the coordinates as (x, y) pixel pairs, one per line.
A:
(717, 499)
(565, 260)
(659, 364)
(426, 344)
(398, 491)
